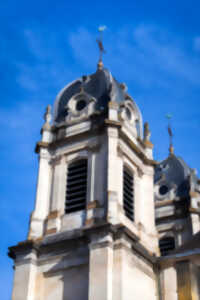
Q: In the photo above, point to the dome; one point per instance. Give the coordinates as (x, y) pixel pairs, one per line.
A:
(101, 86)
(173, 173)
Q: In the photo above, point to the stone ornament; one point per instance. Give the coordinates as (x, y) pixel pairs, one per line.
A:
(79, 106)
(47, 118)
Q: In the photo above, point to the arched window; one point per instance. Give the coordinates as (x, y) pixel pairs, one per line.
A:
(166, 245)
(128, 193)
(76, 190)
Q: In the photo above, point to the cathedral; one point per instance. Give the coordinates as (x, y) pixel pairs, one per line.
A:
(109, 222)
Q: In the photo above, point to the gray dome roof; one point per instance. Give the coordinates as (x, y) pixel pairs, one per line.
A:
(172, 172)
(101, 85)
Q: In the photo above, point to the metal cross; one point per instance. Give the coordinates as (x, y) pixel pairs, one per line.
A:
(101, 29)
(169, 128)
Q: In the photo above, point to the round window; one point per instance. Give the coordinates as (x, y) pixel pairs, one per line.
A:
(81, 104)
(163, 190)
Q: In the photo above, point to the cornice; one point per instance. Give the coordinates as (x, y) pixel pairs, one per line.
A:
(22, 247)
(41, 144)
(97, 129)
(117, 124)
(58, 240)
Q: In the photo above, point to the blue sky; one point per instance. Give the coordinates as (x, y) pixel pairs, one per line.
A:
(153, 46)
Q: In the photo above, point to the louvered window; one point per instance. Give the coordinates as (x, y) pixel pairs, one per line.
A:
(166, 245)
(128, 193)
(76, 190)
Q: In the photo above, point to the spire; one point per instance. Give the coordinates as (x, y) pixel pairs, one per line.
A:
(101, 47)
(169, 128)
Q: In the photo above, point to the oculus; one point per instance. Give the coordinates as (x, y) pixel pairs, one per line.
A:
(81, 104)
(163, 190)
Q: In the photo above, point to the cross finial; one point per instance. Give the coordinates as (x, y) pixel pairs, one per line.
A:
(169, 128)
(101, 29)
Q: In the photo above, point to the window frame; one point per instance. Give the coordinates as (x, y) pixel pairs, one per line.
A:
(81, 203)
(164, 252)
(128, 210)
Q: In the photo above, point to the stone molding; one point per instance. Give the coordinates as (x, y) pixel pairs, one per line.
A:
(44, 155)
(162, 203)
(148, 144)
(93, 146)
(58, 269)
(53, 215)
(194, 194)
(194, 210)
(89, 222)
(99, 245)
(55, 160)
(112, 123)
(93, 204)
(51, 231)
(73, 113)
(26, 261)
(86, 235)
(23, 248)
(113, 105)
(41, 144)
(137, 150)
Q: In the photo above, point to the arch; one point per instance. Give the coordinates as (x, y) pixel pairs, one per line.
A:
(139, 121)
(76, 188)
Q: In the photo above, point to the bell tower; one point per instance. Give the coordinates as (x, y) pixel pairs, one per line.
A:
(92, 233)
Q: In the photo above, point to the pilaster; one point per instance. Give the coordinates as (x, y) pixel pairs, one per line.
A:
(148, 233)
(114, 180)
(168, 280)
(42, 195)
(101, 268)
(25, 277)
(94, 209)
(187, 281)
(57, 194)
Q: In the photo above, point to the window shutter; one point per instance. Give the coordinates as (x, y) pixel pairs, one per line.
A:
(128, 193)
(76, 190)
(166, 245)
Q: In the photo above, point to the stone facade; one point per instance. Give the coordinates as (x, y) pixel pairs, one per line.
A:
(99, 252)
